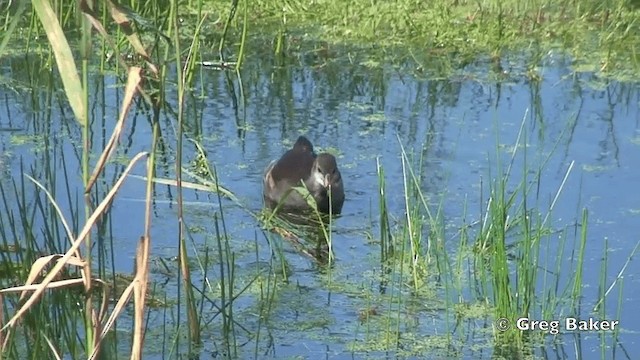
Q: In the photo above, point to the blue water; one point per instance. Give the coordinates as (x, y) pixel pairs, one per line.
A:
(456, 123)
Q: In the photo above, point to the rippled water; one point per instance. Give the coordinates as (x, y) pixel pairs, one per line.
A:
(363, 113)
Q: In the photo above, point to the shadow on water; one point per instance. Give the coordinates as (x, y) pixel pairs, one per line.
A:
(369, 300)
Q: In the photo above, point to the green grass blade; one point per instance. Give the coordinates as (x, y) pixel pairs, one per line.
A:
(64, 58)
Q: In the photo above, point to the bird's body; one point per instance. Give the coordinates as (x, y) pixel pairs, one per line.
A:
(300, 164)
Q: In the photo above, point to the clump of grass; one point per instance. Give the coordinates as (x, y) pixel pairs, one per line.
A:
(598, 35)
(97, 322)
(509, 242)
(504, 264)
(54, 265)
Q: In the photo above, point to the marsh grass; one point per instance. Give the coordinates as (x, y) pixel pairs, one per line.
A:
(502, 260)
(44, 273)
(600, 36)
(509, 264)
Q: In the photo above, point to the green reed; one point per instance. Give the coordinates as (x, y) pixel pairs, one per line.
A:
(386, 240)
(20, 246)
(599, 33)
(190, 301)
(504, 260)
(77, 90)
(497, 259)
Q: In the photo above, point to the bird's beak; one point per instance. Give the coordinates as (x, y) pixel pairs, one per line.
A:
(327, 181)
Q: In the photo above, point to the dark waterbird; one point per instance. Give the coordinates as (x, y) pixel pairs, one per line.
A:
(319, 173)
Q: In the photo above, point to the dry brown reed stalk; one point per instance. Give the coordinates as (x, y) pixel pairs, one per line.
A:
(133, 81)
(68, 258)
(119, 16)
(73, 258)
(48, 270)
(53, 348)
(202, 185)
(140, 293)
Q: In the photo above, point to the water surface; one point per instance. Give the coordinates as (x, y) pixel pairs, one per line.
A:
(459, 125)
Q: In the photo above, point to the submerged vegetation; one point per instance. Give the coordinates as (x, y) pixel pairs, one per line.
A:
(508, 264)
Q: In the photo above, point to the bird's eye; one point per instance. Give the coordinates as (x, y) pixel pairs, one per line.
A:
(320, 170)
